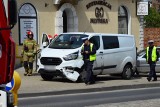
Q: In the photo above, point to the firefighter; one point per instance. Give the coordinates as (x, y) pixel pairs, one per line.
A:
(152, 56)
(89, 56)
(28, 53)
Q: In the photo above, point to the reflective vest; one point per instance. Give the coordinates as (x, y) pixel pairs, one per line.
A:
(154, 55)
(91, 57)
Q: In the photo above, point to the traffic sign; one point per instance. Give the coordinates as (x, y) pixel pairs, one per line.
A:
(10, 85)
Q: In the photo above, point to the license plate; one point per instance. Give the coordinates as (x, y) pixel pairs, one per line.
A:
(50, 68)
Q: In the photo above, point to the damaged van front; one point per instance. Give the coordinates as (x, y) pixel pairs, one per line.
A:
(62, 57)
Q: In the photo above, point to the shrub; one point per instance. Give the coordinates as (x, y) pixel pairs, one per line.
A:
(152, 20)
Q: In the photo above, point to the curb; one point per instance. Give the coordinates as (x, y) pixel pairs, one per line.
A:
(73, 91)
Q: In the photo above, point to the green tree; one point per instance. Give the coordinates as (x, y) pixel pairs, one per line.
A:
(152, 20)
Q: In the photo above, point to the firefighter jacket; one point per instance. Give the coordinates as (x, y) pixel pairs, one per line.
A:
(29, 47)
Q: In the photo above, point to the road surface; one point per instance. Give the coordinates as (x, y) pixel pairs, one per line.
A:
(91, 99)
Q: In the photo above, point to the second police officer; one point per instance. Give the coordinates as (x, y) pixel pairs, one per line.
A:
(152, 56)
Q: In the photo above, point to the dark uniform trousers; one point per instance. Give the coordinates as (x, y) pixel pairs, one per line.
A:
(88, 65)
(152, 72)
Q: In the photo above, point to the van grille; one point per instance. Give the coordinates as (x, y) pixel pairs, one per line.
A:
(50, 61)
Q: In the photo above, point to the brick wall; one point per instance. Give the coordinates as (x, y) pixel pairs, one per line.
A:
(151, 33)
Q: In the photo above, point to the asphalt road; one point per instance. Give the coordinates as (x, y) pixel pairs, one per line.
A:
(91, 99)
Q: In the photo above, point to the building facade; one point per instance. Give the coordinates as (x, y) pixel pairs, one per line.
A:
(58, 16)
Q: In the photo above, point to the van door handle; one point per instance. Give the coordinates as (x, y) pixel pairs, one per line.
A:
(101, 52)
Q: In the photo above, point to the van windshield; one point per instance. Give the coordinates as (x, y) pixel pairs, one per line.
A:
(67, 41)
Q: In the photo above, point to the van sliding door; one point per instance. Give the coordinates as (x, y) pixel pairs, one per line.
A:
(110, 55)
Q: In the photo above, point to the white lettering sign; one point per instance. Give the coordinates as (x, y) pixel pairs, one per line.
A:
(28, 21)
(0, 50)
(142, 8)
(27, 24)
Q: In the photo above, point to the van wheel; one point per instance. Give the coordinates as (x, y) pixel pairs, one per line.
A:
(127, 72)
(47, 77)
(82, 76)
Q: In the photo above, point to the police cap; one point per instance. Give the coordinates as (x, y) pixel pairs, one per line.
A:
(151, 41)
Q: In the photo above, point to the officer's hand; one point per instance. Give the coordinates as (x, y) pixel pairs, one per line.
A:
(82, 52)
(34, 53)
(86, 52)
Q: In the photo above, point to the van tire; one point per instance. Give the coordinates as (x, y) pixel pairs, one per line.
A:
(127, 72)
(47, 77)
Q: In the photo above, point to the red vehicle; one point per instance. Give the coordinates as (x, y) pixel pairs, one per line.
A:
(8, 18)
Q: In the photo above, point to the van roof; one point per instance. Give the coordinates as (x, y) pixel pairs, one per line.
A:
(91, 33)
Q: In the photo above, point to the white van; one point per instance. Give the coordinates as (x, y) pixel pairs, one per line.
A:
(116, 54)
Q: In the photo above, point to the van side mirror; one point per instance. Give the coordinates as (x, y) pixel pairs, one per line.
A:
(12, 9)
(45, 44)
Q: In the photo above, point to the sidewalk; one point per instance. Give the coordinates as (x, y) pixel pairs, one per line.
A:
(34, 85)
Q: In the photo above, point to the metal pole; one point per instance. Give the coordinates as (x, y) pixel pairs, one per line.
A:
(141, 36)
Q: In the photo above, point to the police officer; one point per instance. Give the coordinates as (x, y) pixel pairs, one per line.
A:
(28, 53)
(89, 56)
(152, 56)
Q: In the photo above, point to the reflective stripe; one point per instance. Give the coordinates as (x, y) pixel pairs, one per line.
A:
(154, 55)
(30, 43)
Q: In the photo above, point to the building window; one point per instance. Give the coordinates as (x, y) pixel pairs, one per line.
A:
(122, 20)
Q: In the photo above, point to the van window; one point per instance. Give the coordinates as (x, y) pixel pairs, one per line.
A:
(96, 41)
(110, 42)
(67, 41)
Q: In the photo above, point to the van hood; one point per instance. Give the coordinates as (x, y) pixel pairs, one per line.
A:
(48, 52)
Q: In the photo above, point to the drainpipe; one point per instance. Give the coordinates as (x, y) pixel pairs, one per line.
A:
(141, 36)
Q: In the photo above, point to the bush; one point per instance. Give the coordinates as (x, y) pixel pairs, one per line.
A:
(152, 20)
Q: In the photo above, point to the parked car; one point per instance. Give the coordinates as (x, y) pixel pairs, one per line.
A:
(142, 65)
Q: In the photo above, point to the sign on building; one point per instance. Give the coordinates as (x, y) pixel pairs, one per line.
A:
(142, 8)
(27, 21)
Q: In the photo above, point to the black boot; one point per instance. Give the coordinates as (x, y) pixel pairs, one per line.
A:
(155, 79)
(149, 79)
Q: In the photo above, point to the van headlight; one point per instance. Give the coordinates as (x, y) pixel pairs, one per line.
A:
(71, 56)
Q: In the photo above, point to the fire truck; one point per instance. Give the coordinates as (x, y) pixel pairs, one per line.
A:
(8, 18)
